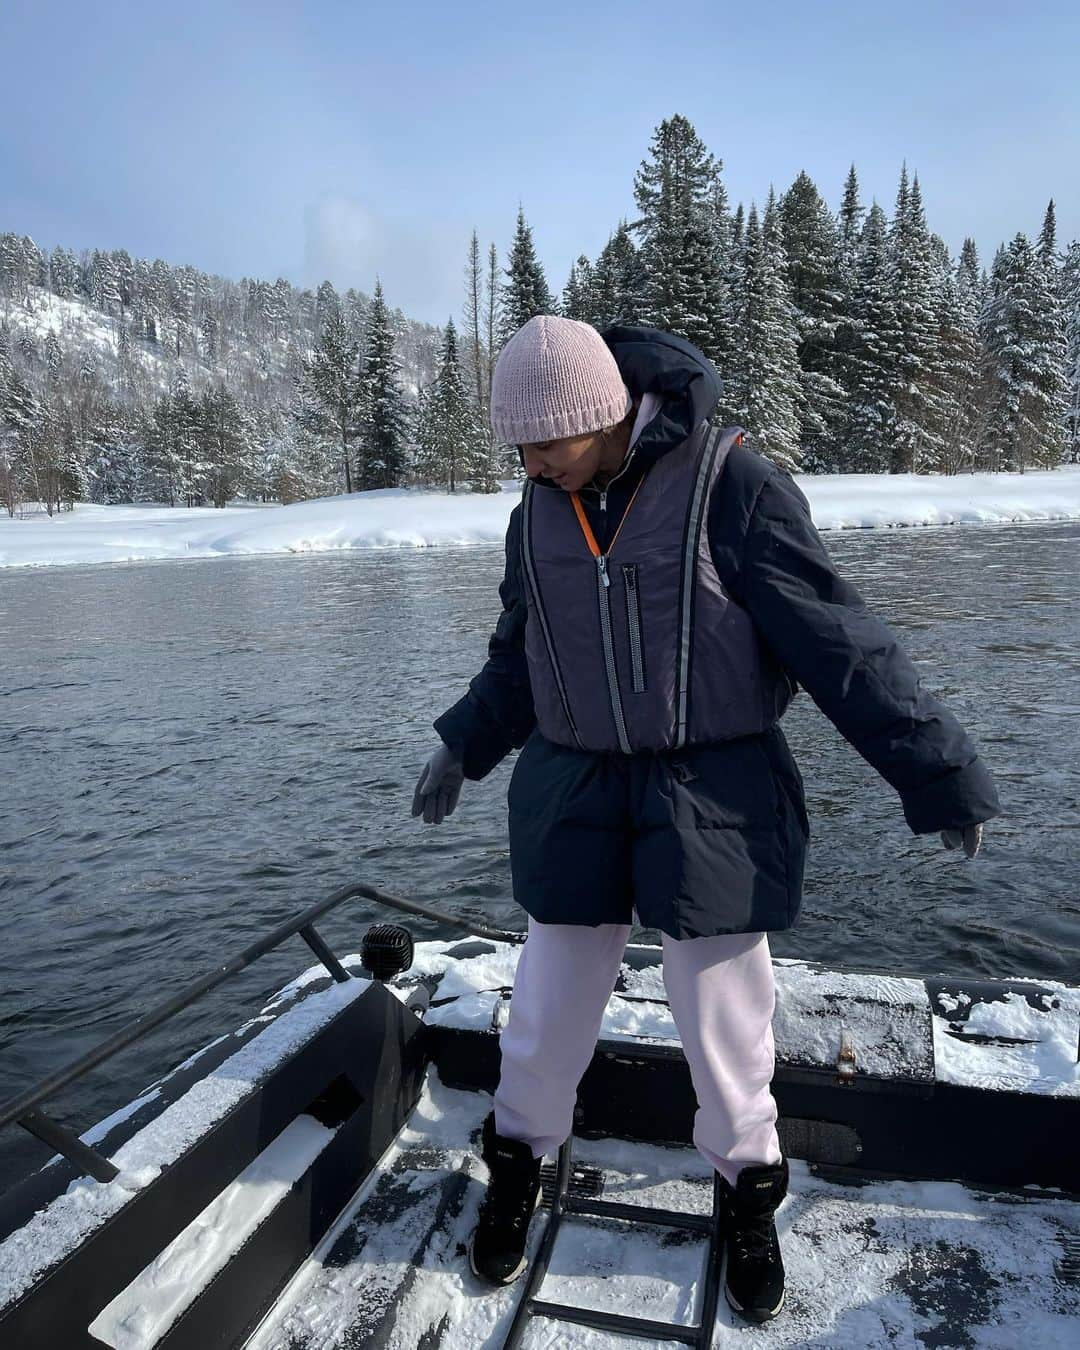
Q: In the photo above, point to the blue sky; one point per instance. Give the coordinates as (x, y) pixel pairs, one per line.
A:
(342, 140)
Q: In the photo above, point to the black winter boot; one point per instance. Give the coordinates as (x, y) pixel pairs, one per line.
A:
(497, 1249)
(754, 1283)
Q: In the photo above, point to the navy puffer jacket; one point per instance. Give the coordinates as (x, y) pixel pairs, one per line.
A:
(773, 561)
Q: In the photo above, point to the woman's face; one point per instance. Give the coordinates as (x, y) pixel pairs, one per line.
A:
(571, 462)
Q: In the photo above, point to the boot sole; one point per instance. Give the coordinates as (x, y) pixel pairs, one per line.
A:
(506, 1279)
(754, 1314)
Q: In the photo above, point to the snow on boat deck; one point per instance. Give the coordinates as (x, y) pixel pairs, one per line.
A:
(876, 1263)
(881, 1264)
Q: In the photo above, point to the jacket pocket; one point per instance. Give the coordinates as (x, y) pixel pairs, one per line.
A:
(633, 623)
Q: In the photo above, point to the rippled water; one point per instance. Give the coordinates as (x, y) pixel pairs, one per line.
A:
(194, 751)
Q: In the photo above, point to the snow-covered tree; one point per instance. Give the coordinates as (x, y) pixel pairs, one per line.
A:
(452, 446)
(767, 394)
(1070, 300)
(870, 380)
(618, 281)
(332, 391)
(225, 446)
(682, 240)
(812, 246)
(1025, 339)
(525, 292)
(384, 417)
(913, 280)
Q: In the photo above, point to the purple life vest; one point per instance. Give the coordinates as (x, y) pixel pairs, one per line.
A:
(641, 647)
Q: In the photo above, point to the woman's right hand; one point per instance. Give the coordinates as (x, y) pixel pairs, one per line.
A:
(438, 787)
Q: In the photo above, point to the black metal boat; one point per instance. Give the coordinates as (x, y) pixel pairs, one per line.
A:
(310, 1180)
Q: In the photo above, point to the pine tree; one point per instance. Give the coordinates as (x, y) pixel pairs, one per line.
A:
(54, 356)
(1070, 297)
(1026, 344)
(1046, 246)
(526, 291)
(578, 298)
(20, 416)
(38, 457)
(383, 414)
(913, 281)
(494, 323)
(73, 479)
(959, 389)
(453, 447)
(768, 396)
(870, 405)
(327, 306)
(226, 448)
(682, 240)
(812, 245)
(331, 395)
(619, 281)
(186, 428)
(850, 223)
(474, 316)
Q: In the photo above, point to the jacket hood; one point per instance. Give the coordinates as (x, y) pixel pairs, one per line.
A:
(688, 384)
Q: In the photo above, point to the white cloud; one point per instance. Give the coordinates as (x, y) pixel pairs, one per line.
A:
(350, 242)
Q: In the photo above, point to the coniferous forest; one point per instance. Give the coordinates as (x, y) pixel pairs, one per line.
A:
(849, 340)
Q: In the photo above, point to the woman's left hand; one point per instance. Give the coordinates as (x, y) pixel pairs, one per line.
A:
(969, 835)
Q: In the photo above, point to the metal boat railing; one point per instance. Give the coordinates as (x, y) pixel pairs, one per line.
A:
(26, 1109)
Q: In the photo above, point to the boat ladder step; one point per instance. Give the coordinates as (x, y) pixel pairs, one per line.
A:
(570, 1189)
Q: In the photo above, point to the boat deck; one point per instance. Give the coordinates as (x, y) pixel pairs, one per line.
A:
(878, 1264)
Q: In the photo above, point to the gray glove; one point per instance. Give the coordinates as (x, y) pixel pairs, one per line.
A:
(970, 836)
(439, 786)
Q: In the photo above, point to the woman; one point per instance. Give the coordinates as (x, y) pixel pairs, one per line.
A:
(665, 595)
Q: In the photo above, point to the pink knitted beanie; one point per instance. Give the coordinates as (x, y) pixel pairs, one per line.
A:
(555, 377)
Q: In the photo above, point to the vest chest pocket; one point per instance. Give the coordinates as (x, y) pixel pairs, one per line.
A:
(633, 623)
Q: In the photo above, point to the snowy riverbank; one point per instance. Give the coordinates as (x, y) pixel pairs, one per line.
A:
(401, 518)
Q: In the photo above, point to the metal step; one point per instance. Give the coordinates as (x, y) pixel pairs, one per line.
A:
(565, 1201)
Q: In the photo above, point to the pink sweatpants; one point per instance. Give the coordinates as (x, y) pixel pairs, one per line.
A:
(721, 994)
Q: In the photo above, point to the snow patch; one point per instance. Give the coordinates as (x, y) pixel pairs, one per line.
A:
(141, 1314)
(408, 518)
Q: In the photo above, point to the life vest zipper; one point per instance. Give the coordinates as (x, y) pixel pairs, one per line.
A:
(633, 620)
(603, 587)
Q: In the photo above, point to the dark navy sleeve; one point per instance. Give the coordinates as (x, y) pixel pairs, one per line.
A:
(854, 667)
(496, 713)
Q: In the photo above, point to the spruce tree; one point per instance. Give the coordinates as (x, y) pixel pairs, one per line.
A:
(914, 282)
(331, 394)
(225, 444)
(870, 406)
(682, 240)
(579, 298)
(1046, 247)
(1026, 344)
(619, 281)
(384, 418)
(812, 245)
(452, 444)
(473, 323)
(1070, 297)
(526, 292)
(959, 373)
(850, 220)
(768, 395)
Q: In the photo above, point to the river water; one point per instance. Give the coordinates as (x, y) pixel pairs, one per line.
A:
(194, 751)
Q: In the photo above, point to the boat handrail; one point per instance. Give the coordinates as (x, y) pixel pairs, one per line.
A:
(25, 1109)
